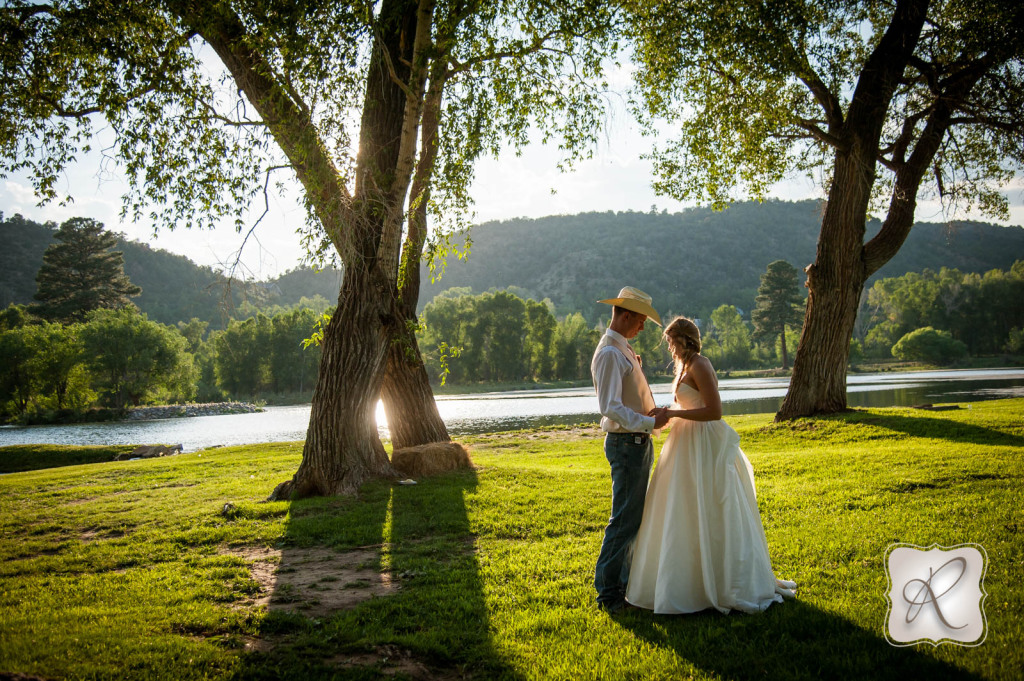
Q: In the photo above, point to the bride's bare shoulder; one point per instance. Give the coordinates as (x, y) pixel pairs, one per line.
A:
(701, 364)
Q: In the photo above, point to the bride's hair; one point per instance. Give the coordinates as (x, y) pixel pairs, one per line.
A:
(683, 339)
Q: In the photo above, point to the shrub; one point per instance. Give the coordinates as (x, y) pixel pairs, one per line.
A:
(929, 345)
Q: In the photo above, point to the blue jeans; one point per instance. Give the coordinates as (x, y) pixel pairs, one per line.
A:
(631, 470)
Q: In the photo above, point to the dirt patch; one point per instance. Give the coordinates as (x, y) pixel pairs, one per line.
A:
(393, 661)
(575, 433)
(556, 434)
(96, 535)
(315, 582)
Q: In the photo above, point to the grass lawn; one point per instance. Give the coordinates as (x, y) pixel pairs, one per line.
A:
(17, 458)
(173, 568)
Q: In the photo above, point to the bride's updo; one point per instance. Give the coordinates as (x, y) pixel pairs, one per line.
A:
(683, 338)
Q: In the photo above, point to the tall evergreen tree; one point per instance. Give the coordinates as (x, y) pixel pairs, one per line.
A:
(778, 304)
(80, 273)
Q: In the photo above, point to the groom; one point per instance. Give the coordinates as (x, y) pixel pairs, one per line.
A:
(628, 417)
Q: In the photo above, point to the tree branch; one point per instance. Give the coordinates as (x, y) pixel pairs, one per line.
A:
(954, 91)
(288, 123)
(819, 134)
(536, 45)
(420, 62)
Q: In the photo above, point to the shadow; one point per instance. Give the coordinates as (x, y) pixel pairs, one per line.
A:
(792, 640)
(383, 585)
(930, 427)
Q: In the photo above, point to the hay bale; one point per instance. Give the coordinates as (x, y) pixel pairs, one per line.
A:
(430, 459)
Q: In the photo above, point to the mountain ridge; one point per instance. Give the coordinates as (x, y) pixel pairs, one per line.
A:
(691, 262)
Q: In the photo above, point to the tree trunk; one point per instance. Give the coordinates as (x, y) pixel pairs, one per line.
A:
(408, 399)
(834, 281)
(785, 356)
(412, 413)
(342, 449)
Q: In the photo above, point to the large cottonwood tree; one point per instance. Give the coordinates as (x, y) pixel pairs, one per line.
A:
(879, 101)
(378, 109)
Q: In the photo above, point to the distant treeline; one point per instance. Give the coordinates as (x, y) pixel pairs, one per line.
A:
(500, 336)
(984, 312)
(120, 358)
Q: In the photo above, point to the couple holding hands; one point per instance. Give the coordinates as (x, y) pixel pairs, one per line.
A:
(689, 537)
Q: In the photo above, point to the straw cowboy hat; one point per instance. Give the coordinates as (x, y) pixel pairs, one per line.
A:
(636, 300)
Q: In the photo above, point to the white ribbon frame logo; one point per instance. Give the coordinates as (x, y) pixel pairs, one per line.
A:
(936, 594)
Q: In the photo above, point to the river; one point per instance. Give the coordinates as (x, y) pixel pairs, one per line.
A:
(524, 409)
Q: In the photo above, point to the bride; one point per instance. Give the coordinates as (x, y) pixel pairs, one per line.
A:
(701, 544)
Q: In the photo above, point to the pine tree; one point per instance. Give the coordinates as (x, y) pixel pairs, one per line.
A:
(778, 304)
(80, 273)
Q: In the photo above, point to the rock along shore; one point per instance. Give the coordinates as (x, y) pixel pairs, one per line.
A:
(171, 411)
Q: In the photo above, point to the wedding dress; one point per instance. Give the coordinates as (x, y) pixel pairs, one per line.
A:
(701, 543)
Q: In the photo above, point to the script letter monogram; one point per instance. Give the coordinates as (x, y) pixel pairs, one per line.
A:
(935, 594)
(927, 596)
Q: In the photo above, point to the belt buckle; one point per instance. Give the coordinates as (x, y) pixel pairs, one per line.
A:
(638, 439)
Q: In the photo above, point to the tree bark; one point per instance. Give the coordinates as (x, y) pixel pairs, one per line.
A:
(785, 355)
(342, 449)
(408, 399)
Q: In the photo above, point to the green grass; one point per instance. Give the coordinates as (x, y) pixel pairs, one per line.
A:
(18, 458)
(120, 570)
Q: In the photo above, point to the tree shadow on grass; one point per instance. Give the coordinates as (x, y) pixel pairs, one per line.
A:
(423, 617)
(794, 640)
(938, 428)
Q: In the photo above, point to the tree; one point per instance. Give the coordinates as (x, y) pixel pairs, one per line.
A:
(880, 99)
(445, 321)
(134, 359)
(81, 274)
(778, 305)
(378, 110)
(496, 337)
(540, 334)
(18, 349)
(726, 341)
(929, 345)
(978, 310)
(58, 365)
(244, 352)
(574, 346)
(292, 366)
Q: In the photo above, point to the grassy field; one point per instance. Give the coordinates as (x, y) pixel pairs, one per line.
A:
(173, 568)
(18, 458)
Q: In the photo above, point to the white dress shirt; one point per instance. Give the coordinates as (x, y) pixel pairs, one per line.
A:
(609, 366)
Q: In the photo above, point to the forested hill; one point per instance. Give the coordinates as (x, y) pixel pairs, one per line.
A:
(173, 287)
(691, 262)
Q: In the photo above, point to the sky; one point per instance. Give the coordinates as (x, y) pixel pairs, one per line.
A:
(529, 185)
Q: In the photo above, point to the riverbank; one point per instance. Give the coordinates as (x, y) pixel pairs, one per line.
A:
(149, 413)
(170, 411)
(175, 568)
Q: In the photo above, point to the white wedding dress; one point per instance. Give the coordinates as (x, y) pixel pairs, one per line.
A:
(701, 543)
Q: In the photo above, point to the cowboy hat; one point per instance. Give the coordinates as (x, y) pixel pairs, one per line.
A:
(636, 300)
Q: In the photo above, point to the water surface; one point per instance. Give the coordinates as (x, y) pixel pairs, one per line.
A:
(489, 412)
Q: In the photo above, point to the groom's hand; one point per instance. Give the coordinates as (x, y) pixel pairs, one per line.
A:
(660, 415)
